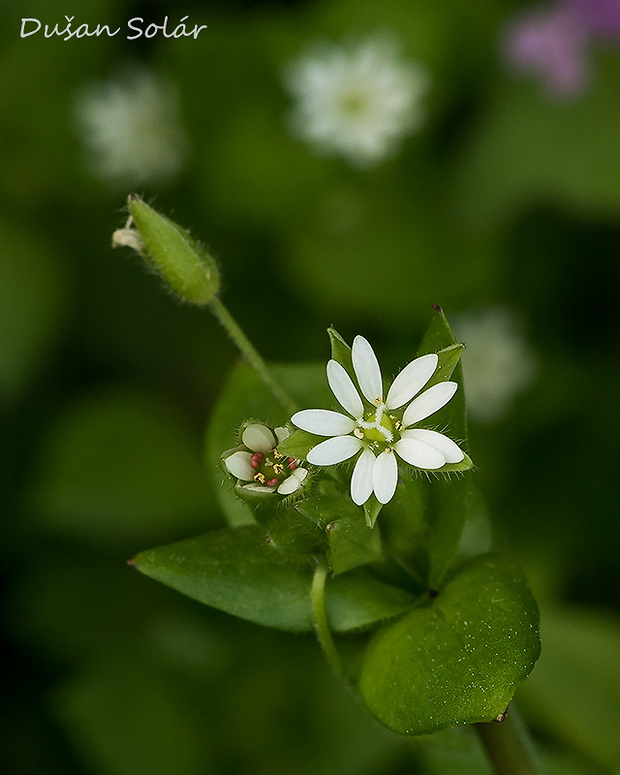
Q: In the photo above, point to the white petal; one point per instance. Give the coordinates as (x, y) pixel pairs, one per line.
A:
(419, 454)
(282, 432)
(258, 488)
(300, 474)
(289, 485)
(239, 465)
(451, 451)
(343, 388)
(429, 402)
(385, 476)
(293, 482)
(258, 437)
(367, 369)
(361, 481)
(411, 380)
(323, 422)
(333, 451)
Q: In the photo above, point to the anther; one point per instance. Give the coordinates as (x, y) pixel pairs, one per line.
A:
(260, 478)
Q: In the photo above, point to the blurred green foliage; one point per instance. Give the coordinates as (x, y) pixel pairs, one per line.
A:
(106, 384)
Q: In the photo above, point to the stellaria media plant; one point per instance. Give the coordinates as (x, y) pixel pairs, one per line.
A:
(361, 517)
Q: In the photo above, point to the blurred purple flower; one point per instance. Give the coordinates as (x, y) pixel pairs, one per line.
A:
(549, 42)
(601, 18)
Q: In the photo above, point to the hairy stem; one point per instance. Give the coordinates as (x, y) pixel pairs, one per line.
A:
(252, 355)
(508, 746)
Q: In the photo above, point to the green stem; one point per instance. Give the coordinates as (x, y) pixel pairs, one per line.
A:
(321, 626)
(252, 355)
(508, 746)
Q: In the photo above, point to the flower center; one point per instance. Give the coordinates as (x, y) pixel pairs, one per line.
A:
(271, 468)
(377, 427)
(354, 103)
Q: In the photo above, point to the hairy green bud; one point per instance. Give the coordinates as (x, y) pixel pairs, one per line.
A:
(185, 266)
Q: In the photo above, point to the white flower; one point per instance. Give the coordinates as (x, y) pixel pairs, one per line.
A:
(380, 429)
(357, 102)
(261, 465)
(131, 129)
(497, 363)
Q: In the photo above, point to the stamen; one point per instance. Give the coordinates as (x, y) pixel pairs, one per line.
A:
(277, 454)
(358, 433)
(278, 468)
(260, 478)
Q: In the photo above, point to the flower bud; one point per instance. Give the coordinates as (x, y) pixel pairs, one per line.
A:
(185, 266)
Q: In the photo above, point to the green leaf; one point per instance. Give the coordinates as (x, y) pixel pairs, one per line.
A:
(440, 339)
(288, 532)
(438, 335)
(357, 600)
(446, 515)
(453, 417)
(458, 659)
(341, 351)
(448, 360)
(351, 542)
(299, 443)
(372, 507)
(477, 534)
(404, 526)
(237, 572)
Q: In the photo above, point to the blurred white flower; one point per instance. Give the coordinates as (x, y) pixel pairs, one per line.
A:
(357, 101)
(497, 362)
(130, 127)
